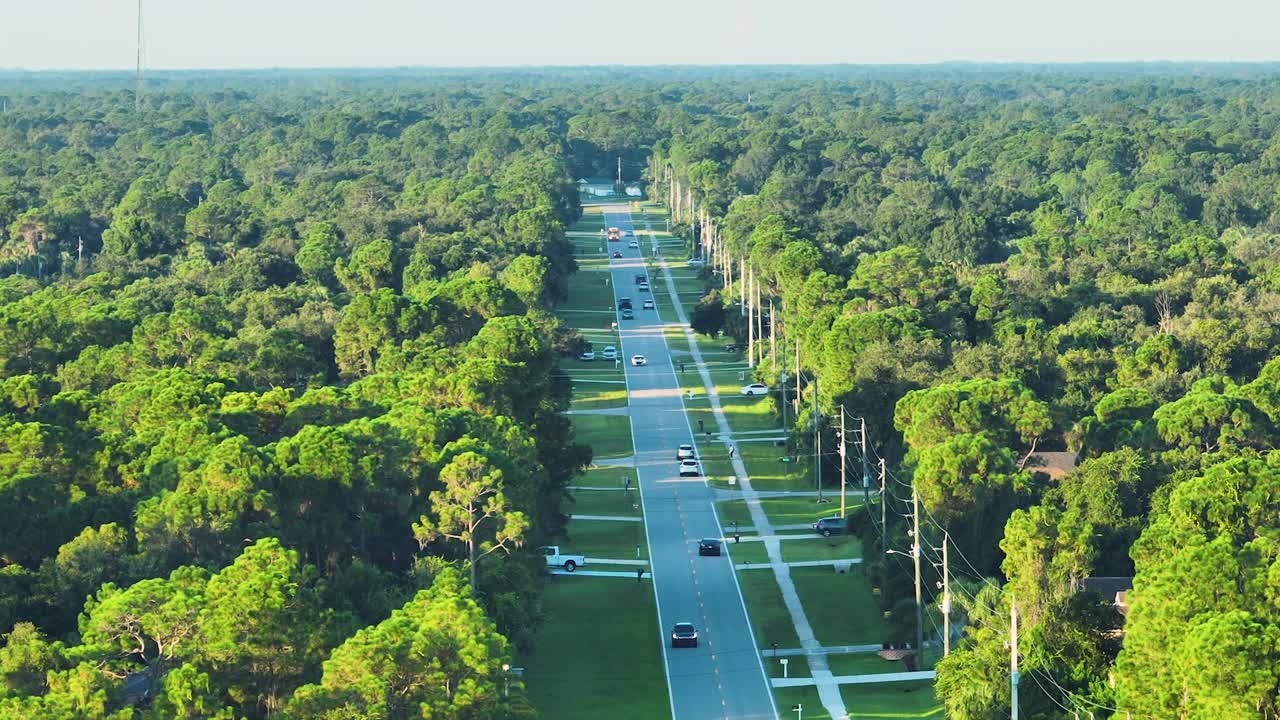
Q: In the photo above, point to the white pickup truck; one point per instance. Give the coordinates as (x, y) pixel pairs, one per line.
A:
(568, 562)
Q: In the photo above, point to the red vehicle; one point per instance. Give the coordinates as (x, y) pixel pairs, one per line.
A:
(615, 234)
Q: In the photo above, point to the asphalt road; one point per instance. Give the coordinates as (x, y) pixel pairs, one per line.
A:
(723, 677)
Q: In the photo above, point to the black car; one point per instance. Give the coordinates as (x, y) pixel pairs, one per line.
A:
(641, 277)
(628, 315)
(683, 635)
(624, 303)
(829, 526)
(617, 254)
(709, 546)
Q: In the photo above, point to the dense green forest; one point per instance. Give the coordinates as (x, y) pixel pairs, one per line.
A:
(984, 265)
(271, 344)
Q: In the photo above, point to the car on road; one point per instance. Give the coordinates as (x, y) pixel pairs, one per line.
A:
(554, 558)
(609, 353)
(689, 468)
(633, 244)
(641, 277)
(628, 315)
(587, 355)
(644, 287)
(684, 635)
(617, 254)
(685, 452)
(828, 526)
(709, 546)
(624, 303)
(755, 389)
(648, 305)
(639, 360)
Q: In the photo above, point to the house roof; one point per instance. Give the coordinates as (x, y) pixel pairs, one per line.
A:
(1113, 589)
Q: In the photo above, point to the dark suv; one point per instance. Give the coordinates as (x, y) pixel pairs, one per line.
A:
(831, 526)
(709, 546)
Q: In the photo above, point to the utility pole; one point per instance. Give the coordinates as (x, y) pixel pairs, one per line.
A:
(619, 169)
(773, 337)
(798, 395)
(742, 286)
(751, 319)
(915, 557)
(884, 531)
(141, 55)
(946, 597)
(1013, 658)
(817, 442)
(843, 510)
(866, 481)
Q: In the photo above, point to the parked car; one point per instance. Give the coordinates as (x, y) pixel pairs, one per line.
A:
(684, 635)
(639, 360)
(709, 546)
(685, 452)
(648, 305)
(755, 389)
(689, 468)
(828, 526)
(554, 558)
(588, 355)
(610, 352)
(617, 254)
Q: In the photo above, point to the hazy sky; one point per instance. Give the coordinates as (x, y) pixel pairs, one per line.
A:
(99, 34)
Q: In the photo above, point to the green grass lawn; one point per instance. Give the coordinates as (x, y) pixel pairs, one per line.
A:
(806, 697)
(604, 539)
(617, 503)
(786, 510)
(836, 547)
(890, 700)
(863, 664)
(607, 477)
(608, 435)
(768, 614)
(598, 396)
(841, 608)
(748, 552)
(613, 671)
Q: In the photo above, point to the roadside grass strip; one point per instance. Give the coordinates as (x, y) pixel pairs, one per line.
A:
(598, 653)
(597, 396)
(610, 477)
(603, 539)
(618, 503)
(766, 609)
(840, 607)
(863, 664)
(877, 701)
(808, 700)
(789, 510)
(608, 435)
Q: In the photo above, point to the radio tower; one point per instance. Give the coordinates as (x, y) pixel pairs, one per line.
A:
(141, 87)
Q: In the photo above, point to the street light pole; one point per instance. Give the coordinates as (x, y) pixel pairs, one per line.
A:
(946, 598)
(843, 509)
(915, 554)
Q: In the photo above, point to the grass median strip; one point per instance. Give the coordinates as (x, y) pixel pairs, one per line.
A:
(598, 653)
(901, 700)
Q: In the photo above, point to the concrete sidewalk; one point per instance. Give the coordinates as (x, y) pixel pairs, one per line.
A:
(612, 518)
(602, 411)
(828, 691)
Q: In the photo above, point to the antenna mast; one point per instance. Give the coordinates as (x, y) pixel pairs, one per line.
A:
(140, 88)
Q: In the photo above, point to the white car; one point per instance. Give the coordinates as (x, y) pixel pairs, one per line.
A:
(633, 244)
(755, 389)
(644, 287)
(689, 468)
(639, 360)
(554, 558)
(588, 355)
(684, 452)
(648, 304)
(609, 353)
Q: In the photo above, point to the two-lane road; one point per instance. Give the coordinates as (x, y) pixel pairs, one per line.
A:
(723, 677)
